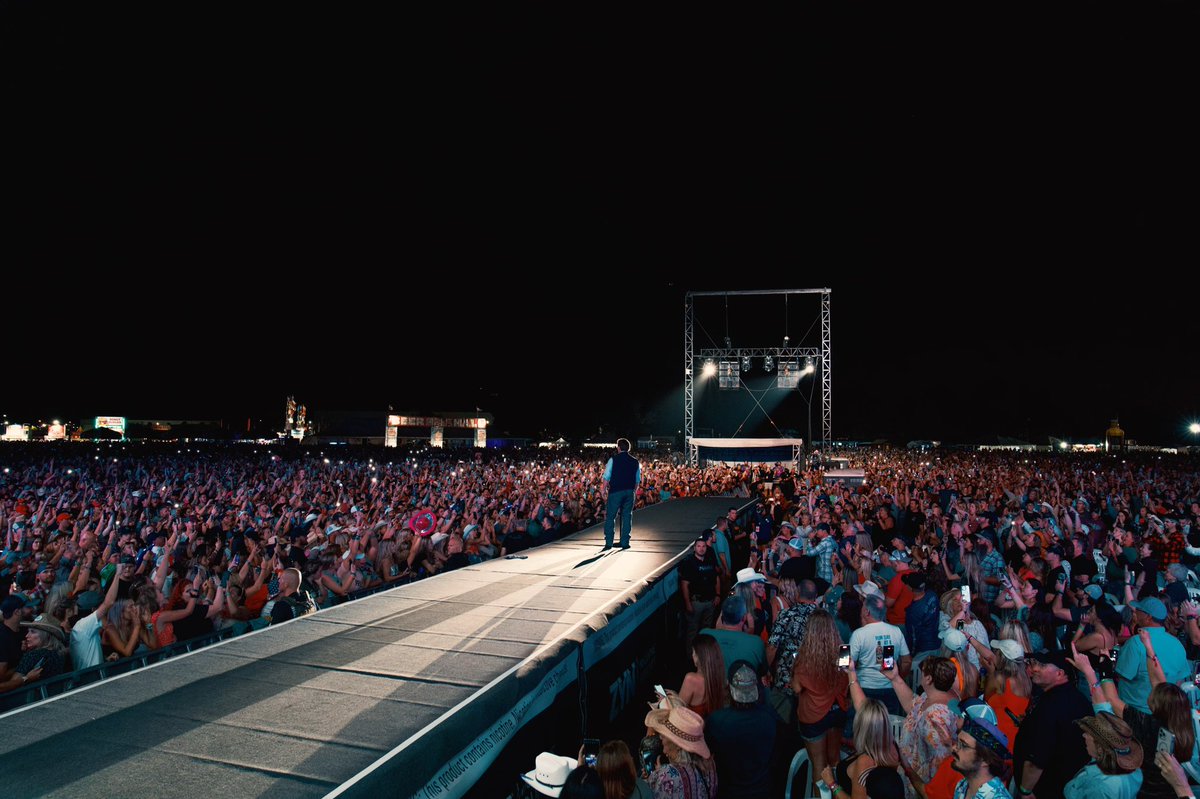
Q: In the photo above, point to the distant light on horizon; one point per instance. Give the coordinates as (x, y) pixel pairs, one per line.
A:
(1194, 428)
(1062, 445)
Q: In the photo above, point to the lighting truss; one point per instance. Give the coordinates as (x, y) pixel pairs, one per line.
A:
(813, 356)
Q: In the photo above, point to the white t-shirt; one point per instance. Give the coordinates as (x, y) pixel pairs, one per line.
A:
(863, 643)
(85, 642)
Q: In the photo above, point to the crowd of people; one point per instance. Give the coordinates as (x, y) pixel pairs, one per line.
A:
(960, 625)
(110, 551)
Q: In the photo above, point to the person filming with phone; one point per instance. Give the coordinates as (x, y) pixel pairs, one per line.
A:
(820, 681)
(1168, 725)
(878, 646)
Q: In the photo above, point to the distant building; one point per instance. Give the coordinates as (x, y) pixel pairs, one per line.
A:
(155, 429)
(378, 428)
(1114, 437)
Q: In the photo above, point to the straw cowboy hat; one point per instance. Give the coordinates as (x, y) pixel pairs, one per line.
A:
(1113, 733)
(681, 726)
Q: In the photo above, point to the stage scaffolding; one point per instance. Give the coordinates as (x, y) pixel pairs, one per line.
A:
(821, 360)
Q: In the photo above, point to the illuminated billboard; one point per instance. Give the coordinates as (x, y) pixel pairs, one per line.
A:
(116, 423)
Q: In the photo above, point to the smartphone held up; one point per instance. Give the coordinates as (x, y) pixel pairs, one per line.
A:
(591, 750)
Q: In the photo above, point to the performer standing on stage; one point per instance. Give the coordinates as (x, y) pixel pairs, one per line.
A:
(622, 475)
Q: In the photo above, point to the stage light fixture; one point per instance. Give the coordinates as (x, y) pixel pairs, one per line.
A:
(809, 368)
(769, 363)
(745, 363)
(710, 367)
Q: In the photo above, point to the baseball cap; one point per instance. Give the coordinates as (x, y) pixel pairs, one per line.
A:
(953, 639)
(743, 683)
(1009, 648)
(1056, 658)
(1152, 606)
(88, 601)
(976, 708)
(11, 604)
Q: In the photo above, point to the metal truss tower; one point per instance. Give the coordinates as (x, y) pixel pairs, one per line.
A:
(821, 356)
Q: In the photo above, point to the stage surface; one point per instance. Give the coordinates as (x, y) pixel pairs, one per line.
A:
(397, 683)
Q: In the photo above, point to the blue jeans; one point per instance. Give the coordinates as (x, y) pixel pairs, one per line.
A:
(619, 502)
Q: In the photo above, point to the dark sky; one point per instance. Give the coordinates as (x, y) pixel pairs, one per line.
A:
(212, 207)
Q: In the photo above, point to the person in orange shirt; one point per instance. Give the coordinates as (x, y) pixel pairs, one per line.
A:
(1007, 688)
(899, 595)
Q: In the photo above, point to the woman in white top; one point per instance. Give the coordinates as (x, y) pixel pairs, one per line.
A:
(952, 613)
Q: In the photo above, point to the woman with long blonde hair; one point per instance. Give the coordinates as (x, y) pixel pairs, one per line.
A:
(875, 748)
(785, 597)
(820, 688)
(1016, 631)
(1007, 688)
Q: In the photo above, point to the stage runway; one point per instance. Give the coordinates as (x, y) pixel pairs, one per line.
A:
(398, 683)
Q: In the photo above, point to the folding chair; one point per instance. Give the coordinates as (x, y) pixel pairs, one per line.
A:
(897, 725)
(800, 769)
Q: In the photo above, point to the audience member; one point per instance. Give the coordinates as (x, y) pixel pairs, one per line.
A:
(1049, 750)
(698, 585)
(867, 650)
(1115, 771)
(821, 691)
(686, 770)
(618, 773)
(732, 634)
(704, 689)
(742, 738)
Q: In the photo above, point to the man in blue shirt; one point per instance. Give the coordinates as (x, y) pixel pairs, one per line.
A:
(622, 475)
(1134, 684)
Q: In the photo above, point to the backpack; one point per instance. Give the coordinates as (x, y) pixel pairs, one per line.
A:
(300, 602)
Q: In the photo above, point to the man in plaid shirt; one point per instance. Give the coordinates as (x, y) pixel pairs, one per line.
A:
(1167, 545)
(992, 566)
(824, 550)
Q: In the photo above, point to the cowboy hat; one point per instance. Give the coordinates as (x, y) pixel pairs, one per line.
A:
(683, 727)
(1113, 733)
(550, 772)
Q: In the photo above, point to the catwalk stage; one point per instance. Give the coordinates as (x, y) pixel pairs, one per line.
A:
(414, 691)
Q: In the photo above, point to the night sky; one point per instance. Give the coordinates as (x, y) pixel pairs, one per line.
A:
(210, 208)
